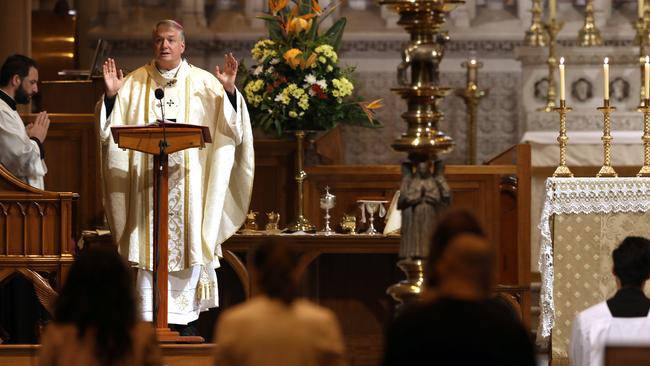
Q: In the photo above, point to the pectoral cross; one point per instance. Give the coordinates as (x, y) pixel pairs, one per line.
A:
(171, 82)
(170, 103)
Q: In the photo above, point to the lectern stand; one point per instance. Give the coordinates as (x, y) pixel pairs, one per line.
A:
(159, 142)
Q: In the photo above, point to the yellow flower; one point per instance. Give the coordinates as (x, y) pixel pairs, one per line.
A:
(293, 114)
(298, 25)
(292, 57)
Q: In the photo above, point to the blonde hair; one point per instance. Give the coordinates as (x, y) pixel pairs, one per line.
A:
(169, 23)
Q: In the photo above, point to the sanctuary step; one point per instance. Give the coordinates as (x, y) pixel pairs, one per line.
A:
(173, 354)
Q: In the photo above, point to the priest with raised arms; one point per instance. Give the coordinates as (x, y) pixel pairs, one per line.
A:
(209, 188)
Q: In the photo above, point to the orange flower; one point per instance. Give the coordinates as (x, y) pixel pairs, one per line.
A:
(292, 57)
(315, 6)
(277, 5)
(375, 104)
(369, 108)
(307, 63)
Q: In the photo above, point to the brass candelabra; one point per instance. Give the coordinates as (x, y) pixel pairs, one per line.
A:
(553, 27)
(645, 109)
(536, 35)
(472, 95)
(607, 170)
(301, 223)
(562, 170)
(589, 35)
(423, 141)
(642, 39)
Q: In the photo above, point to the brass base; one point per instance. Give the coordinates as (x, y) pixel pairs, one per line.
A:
(301, 224)
(410, 289)
(588, 37)
(550, 107)
(536, 37)
(607, 171)
(563, 171)
(644, 172)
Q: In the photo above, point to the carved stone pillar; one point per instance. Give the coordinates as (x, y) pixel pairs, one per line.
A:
(191, 14)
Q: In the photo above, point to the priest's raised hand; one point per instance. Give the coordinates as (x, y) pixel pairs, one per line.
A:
(229, 74)
(113, 78)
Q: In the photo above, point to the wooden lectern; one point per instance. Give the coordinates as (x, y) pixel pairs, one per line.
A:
(149, 139)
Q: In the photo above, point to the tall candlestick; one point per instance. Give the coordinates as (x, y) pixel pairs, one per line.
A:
(562, 83)
(646, 76)
(640, 8)
(552, 8)
(606, 78)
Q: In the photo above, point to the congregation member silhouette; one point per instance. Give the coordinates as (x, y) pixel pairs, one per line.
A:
(458, 323)
(276, 327)
(624, 318)
(96, 320)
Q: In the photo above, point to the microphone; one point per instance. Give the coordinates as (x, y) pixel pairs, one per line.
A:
(159, 93)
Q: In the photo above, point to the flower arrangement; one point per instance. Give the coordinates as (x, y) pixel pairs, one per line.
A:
(296, 83)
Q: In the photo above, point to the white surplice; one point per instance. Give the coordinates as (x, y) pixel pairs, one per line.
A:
(18, 152)
(209, 188)
(595, 328)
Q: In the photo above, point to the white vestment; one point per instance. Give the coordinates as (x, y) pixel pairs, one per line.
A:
(595, 328)
(209, 188)
(18, 153)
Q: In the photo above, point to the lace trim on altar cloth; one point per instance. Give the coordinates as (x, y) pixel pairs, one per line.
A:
(581, 196)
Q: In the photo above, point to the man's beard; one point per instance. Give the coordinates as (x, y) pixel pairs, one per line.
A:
(21, 96)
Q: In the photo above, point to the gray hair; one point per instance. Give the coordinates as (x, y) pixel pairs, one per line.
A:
(169, 23)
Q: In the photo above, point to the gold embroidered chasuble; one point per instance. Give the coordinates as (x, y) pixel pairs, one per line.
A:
(209, 188)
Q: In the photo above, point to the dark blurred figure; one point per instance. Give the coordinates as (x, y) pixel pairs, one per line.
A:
(96, 317)
(458, 323)
(275, 327)
(624, 319)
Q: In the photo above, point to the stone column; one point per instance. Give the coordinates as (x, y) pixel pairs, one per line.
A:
(192, 14)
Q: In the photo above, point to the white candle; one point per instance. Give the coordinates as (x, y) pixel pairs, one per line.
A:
(640, 8)
(562, 83)
(646, 77)
(606, 78)
(552, 8)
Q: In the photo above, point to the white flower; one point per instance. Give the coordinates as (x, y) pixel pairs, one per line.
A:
(322, 83)
(275, 61)
(310, 79)
(270, 70)
(258, 70)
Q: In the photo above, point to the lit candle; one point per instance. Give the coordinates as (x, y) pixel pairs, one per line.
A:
(562, 84)
(640, 8)
(646, 77)
(552, 8)
(606, 78)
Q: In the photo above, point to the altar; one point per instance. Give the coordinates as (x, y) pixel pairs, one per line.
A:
(583, 220)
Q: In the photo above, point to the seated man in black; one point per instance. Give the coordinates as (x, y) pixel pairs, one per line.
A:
(458, 323)
(623, 319)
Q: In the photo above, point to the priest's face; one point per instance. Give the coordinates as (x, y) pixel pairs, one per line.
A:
(28, 87)
(168, 47)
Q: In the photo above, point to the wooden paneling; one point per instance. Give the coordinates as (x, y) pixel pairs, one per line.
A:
(72, 158)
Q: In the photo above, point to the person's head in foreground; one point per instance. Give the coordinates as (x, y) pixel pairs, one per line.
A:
(632, 262)
(275, 270)
(98, 297)
(450, 226)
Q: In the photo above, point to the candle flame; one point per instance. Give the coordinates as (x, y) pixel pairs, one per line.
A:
(561, 60)
(606, 60)
(647, 59)
(472, 61)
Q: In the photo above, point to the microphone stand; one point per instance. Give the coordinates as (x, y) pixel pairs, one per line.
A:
(162, 144)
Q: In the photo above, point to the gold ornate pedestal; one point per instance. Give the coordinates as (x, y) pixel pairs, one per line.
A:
(563, 170)
(607, 170)
(645, 170)
(552, 28)
(301, 223)
(589, 35)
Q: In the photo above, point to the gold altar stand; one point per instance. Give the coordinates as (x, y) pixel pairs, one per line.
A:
(583, 221)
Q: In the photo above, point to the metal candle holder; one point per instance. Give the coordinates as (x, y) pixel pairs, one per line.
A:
(301, 223)
(645, 170)
(642, 39)
(607, 170)
(536, 35)
(562, 170)
(472, 95)
(552, 29)
(589, 35)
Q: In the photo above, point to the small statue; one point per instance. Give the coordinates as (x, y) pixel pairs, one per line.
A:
(250, 223)
(423, 57)
(423, 195)
(272, 225)
(349, 224)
